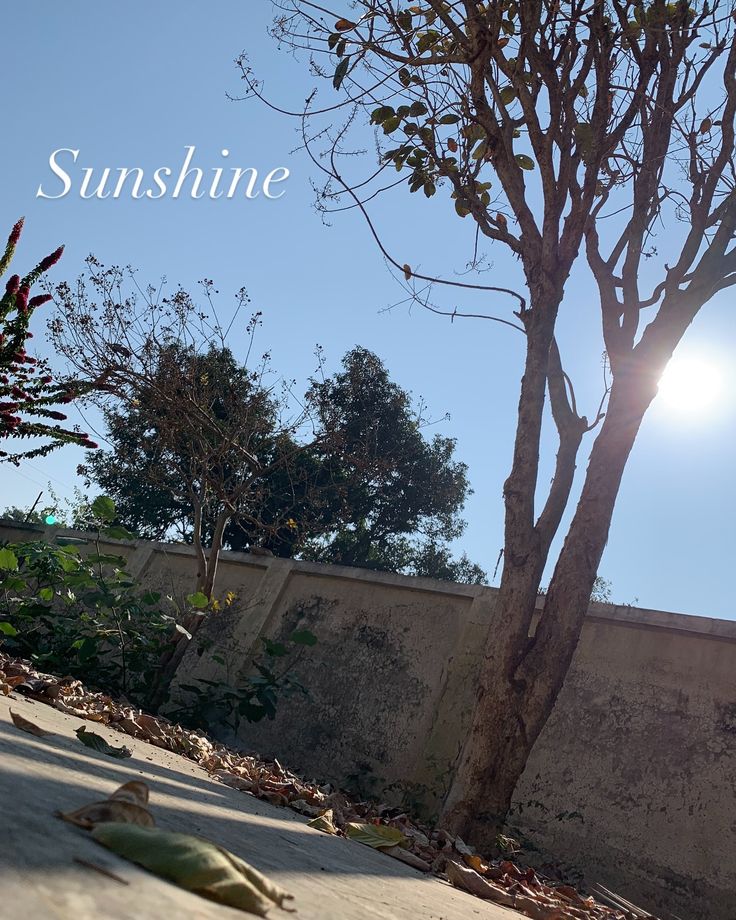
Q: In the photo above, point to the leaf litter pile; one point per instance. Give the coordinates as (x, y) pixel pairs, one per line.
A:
(124, 824)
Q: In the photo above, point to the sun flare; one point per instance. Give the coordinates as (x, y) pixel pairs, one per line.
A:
(691, 384)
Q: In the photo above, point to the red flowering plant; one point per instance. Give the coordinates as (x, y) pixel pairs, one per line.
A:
(28, 391)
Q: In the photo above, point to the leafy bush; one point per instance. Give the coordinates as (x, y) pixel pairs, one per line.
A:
(258, 695)
(82, 614)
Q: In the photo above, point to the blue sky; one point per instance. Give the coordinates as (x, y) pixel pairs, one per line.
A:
(135, 86)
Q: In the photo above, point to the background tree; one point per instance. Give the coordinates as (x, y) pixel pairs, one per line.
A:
(28, 391)
(401, 494)
(540, 118)
(375, 493)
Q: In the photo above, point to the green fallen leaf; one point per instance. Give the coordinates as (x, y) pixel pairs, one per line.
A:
(375, 835)
(98, 743)
(194, 864)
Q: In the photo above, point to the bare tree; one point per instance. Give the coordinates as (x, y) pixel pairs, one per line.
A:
(216, 431)
(541, 118)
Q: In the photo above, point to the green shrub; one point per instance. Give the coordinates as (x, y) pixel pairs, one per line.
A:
(81, 615)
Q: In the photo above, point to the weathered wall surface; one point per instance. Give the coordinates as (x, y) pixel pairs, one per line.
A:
(641, 746)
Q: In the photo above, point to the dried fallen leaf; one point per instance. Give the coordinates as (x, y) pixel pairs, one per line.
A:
(125, 806)
(374, 835)
(469, 880)
(475, 862)
(26, 726)
(98, 743)
(233, 780)
(406, 856)
(324, 823)
(194, 864)
(305, 808)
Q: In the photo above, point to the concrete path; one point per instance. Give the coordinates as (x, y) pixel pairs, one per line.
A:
(330, 878)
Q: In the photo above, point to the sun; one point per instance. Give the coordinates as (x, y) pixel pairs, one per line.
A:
(691, 384)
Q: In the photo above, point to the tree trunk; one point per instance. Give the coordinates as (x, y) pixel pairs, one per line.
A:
(517, 687)
(206, 572)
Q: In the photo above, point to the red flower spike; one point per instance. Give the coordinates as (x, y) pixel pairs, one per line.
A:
(38, 301)
(59, 416)
(15, 233)
(51, 259)
(13, 284)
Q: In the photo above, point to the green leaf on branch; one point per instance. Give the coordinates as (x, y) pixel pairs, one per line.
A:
(103, 508)
(342, 69)
(428, 40)
(403, 20)
(379, 115)
(584, 138)
(118, 533)
(198, 600)
(7, 629)
(8, 560)
(524, 161)
(85, 648)
(507, 94)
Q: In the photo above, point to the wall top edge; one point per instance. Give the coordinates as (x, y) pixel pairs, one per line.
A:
(624, 614)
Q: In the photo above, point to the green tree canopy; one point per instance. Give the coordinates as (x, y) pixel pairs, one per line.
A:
(375, 493)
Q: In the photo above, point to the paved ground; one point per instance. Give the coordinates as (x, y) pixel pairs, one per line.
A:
(331, 879)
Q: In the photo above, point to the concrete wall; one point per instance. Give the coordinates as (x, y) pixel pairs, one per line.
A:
(640, 748)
